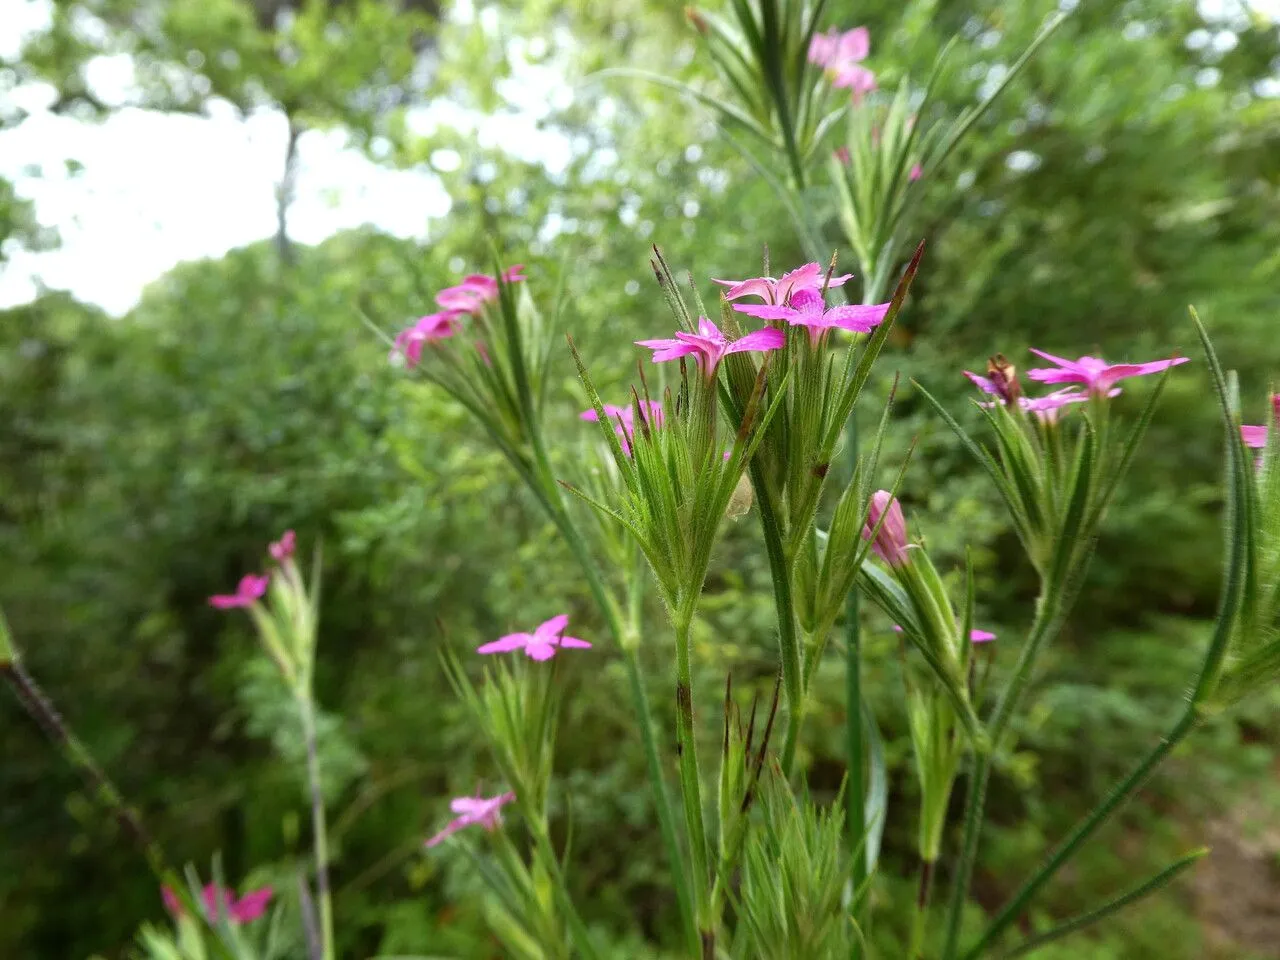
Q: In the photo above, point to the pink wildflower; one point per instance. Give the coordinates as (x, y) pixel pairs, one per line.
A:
(1096, 374)
(475, 290)
(485, 811)
(623, 417)
(1253, 436)
(842, 154)
(250, 588)
(833, 47)
(807, 309)
(779, 292)
(916, 172)
(855, 78)
(539, 645)
(429, 329)
(890, 543)
(283, 548)
(709, 345)
(222, 902)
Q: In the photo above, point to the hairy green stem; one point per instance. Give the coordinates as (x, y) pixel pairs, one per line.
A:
(788, 643)
(550, 496)
(319, 832)
(855, 797)
(1047, 621)
(1085, 829)
(690, 774)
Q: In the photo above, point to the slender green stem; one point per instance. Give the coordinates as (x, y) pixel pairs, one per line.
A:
(1083, 830)
(550, 497)
(856, 817)
(690, 775)
(1047, 622)
(1147, 887)
(546, 854)
(319, 833)
(920, 917)
(788, 644)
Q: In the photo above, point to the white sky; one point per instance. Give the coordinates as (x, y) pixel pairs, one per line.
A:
(158, 189)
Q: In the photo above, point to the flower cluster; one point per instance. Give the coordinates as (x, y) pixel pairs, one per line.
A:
(841, 55)
(468, 298)
(1088, 376)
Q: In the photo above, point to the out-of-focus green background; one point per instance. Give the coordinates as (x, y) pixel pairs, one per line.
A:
(145, 460)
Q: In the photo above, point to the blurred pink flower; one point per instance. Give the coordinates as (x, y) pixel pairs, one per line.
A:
(539, 645)
(1253, 436)
(890, 544)
(428, 329)
(856, 78)
(807, 309)
(476, 289)
(246, 909)
(283, 548)
(709, 345)
(842, 154)
(1096, 374)
(916, 172)
(250, 588)
(779, 292)
(485, 811)
(833, 47)
(623, 418)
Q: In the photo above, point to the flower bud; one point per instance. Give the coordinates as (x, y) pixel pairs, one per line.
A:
(890, 542)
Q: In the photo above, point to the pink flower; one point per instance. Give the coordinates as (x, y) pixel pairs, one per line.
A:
(842, 154)
(485, 811)
(709, 346)
(890, 544)
(429, 329)
(1095, 373)
(856, 78)
(1253, 436)
(539, 645)
(250, 588)
(623, 417)
(475, 290)
(807, 309)
(916, 172)
(283, 548)
(779, 292)
(219, 902)
(833, 47)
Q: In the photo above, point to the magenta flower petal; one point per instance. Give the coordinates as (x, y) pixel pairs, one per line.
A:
(857, 318)
(1253, 436)
(552, 628)
(1096, 374)
(507, 644)
(981, 636)
(757, 287)
(540, 650)
(283, 548)
(574, 643)
(764, 340)
(251, 587)
(171, 901)
(985, 384)
(765, 311)
(252, 905)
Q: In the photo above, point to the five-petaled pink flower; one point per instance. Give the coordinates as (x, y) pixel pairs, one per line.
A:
(429, 329)
(1096, 374)
(283, 548)
(220, 902)
(709, 345)
(250, 588)
(624, 419)
(485, 811)
(807, 309)
(475, 290)
(779, 292)
(890, 543)
(539, 645)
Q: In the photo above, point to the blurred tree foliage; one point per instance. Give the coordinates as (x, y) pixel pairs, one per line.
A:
(145, 461)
